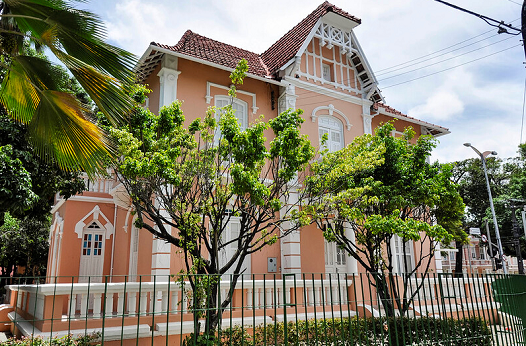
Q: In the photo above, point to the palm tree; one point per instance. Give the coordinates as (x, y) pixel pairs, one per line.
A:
(58, 123)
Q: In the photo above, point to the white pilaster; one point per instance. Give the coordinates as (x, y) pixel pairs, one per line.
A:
(287, 98)
(290, 244)
(161, 254)
(168, 76)
(352, 263)
(438, 259)
(367, 118)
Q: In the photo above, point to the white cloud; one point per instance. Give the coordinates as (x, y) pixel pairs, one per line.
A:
(442, 105)
(480, 102)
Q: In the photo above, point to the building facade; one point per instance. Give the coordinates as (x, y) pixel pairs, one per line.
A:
(318, 66)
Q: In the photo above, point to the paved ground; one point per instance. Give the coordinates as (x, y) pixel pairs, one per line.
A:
(3, 337)
(506, 337)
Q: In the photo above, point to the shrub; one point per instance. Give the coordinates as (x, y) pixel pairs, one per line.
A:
(68, 340)
(365, 331)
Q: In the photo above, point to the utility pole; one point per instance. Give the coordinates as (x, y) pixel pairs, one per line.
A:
(523, 25)
(490, 245)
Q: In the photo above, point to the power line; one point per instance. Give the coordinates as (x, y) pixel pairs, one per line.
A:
(441, 61)
(515, 2)
(451, 51)
(379, 72)
(498, 24)
(450, 68)
(417, 78)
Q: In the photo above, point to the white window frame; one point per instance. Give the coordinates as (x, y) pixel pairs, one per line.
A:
(332, 126)
(226, 253)
(238, 105)
(397, 255)
(326, 72)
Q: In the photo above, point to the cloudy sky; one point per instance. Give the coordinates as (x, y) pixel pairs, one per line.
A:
(433, 62)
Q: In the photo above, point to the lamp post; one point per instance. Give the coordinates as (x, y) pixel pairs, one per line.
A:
(497, 233)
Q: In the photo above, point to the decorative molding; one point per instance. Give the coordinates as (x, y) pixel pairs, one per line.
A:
(168, 86)
(330, 108)
(209, 97)
(58, 222)
(367, 123)
(79, 227)
(331, 36)
(327, 92)
(287, 99)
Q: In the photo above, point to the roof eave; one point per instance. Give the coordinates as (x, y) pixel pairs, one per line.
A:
(440, 131)
(208, 63)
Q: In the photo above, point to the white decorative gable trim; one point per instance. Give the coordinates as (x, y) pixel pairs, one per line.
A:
(209, 97)
(330, 108)
(97, 215)
(332, 36)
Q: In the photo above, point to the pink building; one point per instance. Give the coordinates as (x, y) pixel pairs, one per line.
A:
(317, 66)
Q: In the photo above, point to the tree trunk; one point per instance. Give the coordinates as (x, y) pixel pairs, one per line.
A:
(459, 259)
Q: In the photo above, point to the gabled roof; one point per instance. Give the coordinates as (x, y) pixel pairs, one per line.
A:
(267, 64)
(287, 46)
(262, 65)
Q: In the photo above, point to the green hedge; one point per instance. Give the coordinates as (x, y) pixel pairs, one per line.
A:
(81, 340)
(365, 331)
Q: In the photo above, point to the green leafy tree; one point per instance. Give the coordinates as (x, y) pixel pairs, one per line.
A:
(27, 190)
(60, 126)
(195, 180)
(381, 187)
(469, 177)
(508, 186)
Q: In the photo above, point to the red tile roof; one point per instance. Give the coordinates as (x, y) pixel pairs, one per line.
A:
(213, 51)
(287, 46)
(264, 65)
(391, 110)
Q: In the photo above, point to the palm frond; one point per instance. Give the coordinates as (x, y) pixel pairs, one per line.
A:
(59, 129)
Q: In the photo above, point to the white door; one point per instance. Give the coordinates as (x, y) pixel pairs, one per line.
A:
(231, 233)
(335, 258)
(92, 254)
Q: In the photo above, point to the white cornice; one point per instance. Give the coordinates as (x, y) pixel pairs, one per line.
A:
(324, 91)
(91, 199)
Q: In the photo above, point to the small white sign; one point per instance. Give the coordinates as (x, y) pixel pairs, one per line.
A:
(474, 231)
(484, 238)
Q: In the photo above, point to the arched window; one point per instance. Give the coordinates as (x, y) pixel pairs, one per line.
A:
(241, 111)
(334, 129)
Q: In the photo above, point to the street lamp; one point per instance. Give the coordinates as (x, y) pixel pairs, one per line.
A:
(497, 233)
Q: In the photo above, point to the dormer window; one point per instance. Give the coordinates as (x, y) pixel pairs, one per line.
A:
(326, 72)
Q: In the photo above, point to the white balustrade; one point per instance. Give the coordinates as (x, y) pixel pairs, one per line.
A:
(93, 300)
